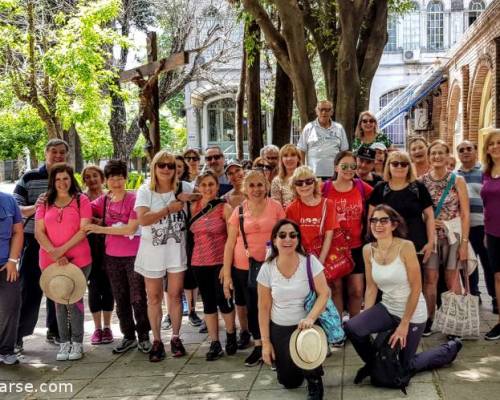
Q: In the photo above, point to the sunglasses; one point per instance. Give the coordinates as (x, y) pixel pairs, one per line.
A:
(216, 157)
(366, 121)
(168, 165)
(324, 109)
(262, 167)
(345, 167)
(399, 164)
(304, 182)
(272, 158)
(192, 158)
(464, 149)
(291, 235)
(382, 220)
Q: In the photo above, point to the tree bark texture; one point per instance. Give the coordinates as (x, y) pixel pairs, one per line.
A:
(283, 108)
(240, 105)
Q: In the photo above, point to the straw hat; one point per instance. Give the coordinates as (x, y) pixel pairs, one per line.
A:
(64, 284)
(308, 347)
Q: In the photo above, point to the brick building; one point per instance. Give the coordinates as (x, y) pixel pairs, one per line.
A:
(459, 97)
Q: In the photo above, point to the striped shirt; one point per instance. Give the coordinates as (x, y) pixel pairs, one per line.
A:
(31, 185)
(474, 179)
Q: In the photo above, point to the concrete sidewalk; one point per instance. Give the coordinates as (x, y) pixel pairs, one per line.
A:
(101, 374)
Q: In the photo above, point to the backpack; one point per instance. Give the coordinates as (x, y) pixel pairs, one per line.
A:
(386, 369)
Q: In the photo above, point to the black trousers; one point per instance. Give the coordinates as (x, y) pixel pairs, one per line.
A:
(248, 296)
(10, 302)
(476, 237)
(289, 375)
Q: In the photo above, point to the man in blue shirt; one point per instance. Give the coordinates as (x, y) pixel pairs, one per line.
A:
(473, 175)
(11, 244)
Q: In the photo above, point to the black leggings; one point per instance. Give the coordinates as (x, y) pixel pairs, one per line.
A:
(247, 296)
(289, 375)
(100, 294)
(211, 290)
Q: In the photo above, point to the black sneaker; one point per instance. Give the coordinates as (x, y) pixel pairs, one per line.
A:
(315, 389)
(362, 373)
(194, 320)
(125, 345)
(244, 340)
(231, 343)
(428, 331)
(53, 338)
(19, 347)
(203, 328)
(494, 334)
(157, 352)
(215, 351)
(255, 357)
(176, 347)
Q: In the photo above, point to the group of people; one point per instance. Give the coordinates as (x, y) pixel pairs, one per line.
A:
(250, 237)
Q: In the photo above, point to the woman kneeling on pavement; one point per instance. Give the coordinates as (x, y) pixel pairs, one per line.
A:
(282, 290)
(392, 267)
(208, 226)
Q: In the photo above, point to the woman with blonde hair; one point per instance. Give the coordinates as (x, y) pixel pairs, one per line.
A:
(281, 187)
(249, 230)
(162, 249)
(490, 193)
(367, 132)
(417, 147)
(410, 198)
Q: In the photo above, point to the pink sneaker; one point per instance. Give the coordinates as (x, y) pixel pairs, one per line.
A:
(107, 336)
(96, 337)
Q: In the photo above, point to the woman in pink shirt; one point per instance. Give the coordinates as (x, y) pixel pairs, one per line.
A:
(57, 229)
(259, 213)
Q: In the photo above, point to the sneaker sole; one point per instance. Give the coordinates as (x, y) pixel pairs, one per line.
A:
(254, 364)
(115, 351)
(96, 343)
(62, 359)
(427, 334)
(490, 338)
(107, 341)
(144, 351)
(158, 359)
(195, 323)
(216, 357)
(75, 358)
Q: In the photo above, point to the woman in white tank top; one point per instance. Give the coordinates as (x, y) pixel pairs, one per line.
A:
(393, 268)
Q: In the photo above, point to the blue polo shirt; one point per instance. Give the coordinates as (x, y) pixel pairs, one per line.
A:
(9, 215)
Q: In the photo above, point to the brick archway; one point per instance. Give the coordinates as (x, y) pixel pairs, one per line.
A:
(452, 112)
(483, 67)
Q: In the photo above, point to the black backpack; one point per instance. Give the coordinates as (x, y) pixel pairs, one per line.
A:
(386, 369)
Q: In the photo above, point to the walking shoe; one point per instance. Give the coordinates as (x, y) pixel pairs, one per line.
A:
(203, 328)
(176, 347)
(18, 348)
(166, 323)
(194, 320)
(76, 351)
(244, 340)
(96, 337)
(215, 351)
(231, 343)
(428, 331)
(494, 334)
(315, 389)
(145, 346)
(9, 359)
(339, 344)
(64, 350)
(125, 345)
(107, 336)
(255, 357)
(157, 352)
(185, 308)
(53, 338)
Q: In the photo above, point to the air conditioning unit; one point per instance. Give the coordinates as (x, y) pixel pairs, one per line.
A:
(411, 56)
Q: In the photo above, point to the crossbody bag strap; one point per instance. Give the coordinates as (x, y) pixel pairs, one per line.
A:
(444, 195)
(310, 278)
(242, 229)
(323, 217)
(205, 210)
(103, 223)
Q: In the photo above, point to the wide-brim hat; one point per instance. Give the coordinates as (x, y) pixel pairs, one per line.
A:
(308, 347)
(63, 284)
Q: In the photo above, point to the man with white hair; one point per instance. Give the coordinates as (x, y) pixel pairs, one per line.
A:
(271, 153)
(321, 140)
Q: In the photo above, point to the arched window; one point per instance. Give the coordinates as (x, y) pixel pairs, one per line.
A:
(396, 129)
(435, 28)
(476, 7)
(411, 28)
(391, 44)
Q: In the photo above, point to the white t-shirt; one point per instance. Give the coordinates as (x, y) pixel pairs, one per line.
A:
(288, 295)
(164, 242)
(321, 145)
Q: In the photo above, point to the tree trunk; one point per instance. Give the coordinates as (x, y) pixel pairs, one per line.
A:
(117, 128)
(255, 141)
(240, 105)
(283, 108)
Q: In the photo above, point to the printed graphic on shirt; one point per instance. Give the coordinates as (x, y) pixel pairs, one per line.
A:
(170, 227)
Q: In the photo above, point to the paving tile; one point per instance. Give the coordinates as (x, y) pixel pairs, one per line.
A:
(167, 368)
(224, 364)
(416, 391)
(241, 395)
(30, 372)
(122, 387)
(468, 391)
(63, 389)
(77, 370)
(292, 394)
(484, 369)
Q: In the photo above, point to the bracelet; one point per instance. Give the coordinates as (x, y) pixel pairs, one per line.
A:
(464, 240)
(14, 260)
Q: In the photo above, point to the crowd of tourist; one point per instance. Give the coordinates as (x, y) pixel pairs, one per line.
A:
(253, 238)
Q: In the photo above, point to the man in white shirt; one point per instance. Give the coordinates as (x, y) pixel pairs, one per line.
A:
(321, 140)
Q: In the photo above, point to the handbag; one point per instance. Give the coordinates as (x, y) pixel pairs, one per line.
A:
(339, 262)
(459, 313)
(329, 319)
(253, 264)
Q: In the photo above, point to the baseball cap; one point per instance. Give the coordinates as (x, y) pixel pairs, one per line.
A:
(366, 152)
(378, 146)
(232, 163)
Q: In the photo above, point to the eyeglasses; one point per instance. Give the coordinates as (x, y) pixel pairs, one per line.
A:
(272, 158)
(192, 158)
(382, 220)
(215, 157)
(169, 165)
(324, 109)
(345, 167)
(399, 164)
(366, 121)
(306, 182)
(291, 235)
(261, 167)
(464, 149)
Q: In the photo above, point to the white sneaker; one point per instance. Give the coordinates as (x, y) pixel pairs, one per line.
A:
(64, 350)
(76, 351)
(9, 359)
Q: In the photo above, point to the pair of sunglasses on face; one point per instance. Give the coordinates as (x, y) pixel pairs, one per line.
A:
(399, 164)
(215, 157)
(304, 182)
(262, 167)
(168, 165)
(291, 235)
(192, 158)
(345, 167)
(383, 220)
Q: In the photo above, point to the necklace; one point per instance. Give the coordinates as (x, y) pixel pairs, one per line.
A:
(60, 210)
(384, 252)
